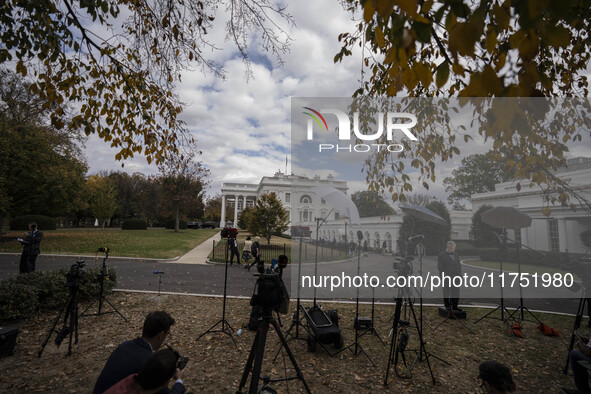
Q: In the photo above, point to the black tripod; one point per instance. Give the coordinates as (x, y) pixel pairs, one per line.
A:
(70, 326)
(358, 349)
(371, 329)
(502, 245)
(102, 297)
(400, 344)
(226, 327)
(578, 318)
(257, 352)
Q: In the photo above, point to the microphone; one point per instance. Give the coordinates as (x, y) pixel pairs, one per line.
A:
(156, 272)
(416, 237)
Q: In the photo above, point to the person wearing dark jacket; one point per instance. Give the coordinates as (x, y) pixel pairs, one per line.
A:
(30, 249)
(256, 252)
(448, 264)
(129, 357)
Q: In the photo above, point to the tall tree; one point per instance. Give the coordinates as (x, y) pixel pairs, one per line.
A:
(42, 169)
(183, 181)
(120, 69)
(370, 203)
(213, 209)
(485, 48)
(476, 174)
(103, 198)
(268, 218)
(483, 234)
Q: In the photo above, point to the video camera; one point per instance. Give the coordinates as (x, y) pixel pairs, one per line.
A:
(270, 292)
(403, 265)
(229, 232)
(75, 274)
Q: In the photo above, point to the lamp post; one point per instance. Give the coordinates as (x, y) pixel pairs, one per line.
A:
(346, 222)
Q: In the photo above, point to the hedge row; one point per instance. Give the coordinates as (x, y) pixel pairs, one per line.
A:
(26, 294)
(134, 224)
(170, 223)
(22, 222)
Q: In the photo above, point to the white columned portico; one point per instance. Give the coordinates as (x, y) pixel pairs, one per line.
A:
(236, 197)
(223, 218)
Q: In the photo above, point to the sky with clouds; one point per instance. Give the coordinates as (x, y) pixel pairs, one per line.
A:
(243, 127)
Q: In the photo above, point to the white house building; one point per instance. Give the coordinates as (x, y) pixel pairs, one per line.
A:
(558, 232)
(304, 207)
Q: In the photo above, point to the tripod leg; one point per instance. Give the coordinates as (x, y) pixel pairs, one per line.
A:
(248, 366)
(52, 329)
(422, 342)
(394, 337)
(262, 331)
(115, 309)
(290, 355)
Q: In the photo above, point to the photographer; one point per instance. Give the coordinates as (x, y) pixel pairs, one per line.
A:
(30, 249)
(153, 376)
(129, 357)
(580, 373)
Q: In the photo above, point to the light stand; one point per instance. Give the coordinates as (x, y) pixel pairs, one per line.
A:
(226, 327)
(102, 297)
(358, 349)
(522, 308)
(371, 329)
(296, 319)
(502, 244)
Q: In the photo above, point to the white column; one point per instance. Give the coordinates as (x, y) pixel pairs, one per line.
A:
(223, 219)
(236, 211)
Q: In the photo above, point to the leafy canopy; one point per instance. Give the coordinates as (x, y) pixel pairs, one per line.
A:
(118, 61)
(268, 217)
(487, 48)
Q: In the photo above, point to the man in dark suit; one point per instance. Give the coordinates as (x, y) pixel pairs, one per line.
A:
(30, 249)
(448, 263)
(129, 357)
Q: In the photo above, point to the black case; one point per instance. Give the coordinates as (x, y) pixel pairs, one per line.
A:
(7, 340)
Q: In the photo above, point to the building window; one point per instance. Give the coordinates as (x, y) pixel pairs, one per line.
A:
(336, 216)
(287, 197)
(305, 215)
(553, 237)
(305, 200)
(322, 201)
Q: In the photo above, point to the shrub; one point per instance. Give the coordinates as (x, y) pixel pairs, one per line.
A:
(134, 224)
(22, 222)
(22, 296)
(170, 223)
(17, 300)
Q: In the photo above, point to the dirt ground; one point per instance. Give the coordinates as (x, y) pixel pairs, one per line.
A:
(216, 365)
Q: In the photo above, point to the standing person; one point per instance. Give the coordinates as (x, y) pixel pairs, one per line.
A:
(256, 252)
(129, 357)
(30, 249)
(233, 244)
(448, 264)
(246, 253)
(365, 248)
(352, 250)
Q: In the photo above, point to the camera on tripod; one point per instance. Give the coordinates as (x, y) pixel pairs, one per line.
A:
(75, 274)
(229, 232)
(270, 292)
(403, 265)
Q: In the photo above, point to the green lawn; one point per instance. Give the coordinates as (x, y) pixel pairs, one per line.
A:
(512, 267)
(151, 243)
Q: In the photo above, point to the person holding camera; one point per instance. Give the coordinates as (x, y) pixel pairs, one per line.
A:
(129, 357)
(30, 249)
(448, 263)
(580, 373)
(153, 376)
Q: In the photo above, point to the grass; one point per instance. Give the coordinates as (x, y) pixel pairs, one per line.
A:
(151, 243)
